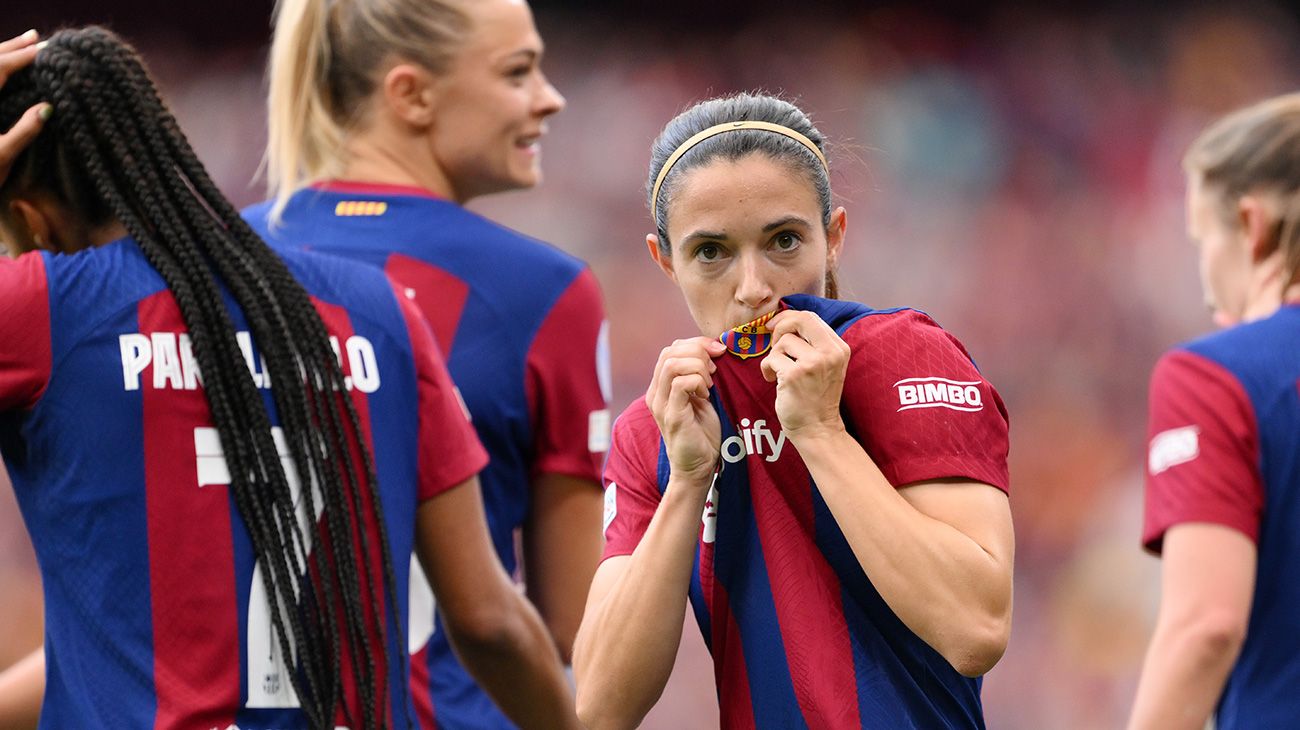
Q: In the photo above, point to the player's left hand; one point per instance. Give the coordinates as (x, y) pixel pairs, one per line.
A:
(808, 361)
(16, 53)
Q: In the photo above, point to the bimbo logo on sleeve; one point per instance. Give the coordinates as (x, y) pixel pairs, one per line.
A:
(957, 395)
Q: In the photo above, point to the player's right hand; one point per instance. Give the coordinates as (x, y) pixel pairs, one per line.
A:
(678, 397)
(16, 53)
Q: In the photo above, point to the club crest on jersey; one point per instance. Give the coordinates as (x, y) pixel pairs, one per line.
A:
(749, 340)
(957, 395)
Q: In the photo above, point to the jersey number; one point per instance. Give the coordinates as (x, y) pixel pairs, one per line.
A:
(268, 678)
(268, 673)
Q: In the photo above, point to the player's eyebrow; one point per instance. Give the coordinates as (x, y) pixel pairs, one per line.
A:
(696, 235)
(523, 54)
(701, 235)
(788, 220)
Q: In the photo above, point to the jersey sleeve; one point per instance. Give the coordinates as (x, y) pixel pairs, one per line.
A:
(567, 384)
(25, 347)
(450, 451)
(631, 480)
(920, 406)
(1203, 450)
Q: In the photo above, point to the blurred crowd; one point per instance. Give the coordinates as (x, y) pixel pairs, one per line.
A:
(1018, 178)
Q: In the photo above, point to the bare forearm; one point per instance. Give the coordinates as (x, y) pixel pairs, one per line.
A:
(628, 643)
(929, 572)
(562, 544)
(1183, 675)
(22, 689)
(518, 667)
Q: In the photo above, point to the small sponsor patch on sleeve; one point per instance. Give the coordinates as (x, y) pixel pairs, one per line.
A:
(1173, 447)
(956, 395)
(598, 431)
(611, 505)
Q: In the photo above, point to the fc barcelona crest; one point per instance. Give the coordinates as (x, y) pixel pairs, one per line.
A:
(749, 340)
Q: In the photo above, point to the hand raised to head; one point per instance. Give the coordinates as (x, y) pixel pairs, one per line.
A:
(16, 53)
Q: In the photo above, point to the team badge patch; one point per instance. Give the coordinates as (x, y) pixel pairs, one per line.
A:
(749, 340)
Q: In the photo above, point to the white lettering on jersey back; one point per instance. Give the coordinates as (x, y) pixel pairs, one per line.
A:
(1173, 447)
(245, 341)
(958, 395)
(166, 362)
(753, 440)
(175, 368)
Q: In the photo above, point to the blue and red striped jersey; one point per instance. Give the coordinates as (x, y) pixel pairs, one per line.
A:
(523, 327)
(799, 636)
(155, 616)
(1224, 448)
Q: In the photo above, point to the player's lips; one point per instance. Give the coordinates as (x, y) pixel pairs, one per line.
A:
(530, 143)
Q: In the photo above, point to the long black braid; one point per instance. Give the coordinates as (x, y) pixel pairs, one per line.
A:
(114, 151)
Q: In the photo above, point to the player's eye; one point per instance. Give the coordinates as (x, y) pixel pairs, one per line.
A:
(786, 241)
(708, 252)
(518, 74)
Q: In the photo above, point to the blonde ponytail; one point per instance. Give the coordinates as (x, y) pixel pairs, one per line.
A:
(304, 139)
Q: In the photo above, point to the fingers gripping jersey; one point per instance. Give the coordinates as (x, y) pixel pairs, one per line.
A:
(799, 636)
(1224, 448)
(523, 326)
(154, 614)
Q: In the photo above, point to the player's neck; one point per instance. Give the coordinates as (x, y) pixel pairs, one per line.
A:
(374, 160)
(1292, 294)
(1265, 293)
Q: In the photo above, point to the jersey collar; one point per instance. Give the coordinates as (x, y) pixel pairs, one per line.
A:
(355, 187)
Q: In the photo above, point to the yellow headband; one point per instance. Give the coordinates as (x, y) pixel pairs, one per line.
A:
(719, 129)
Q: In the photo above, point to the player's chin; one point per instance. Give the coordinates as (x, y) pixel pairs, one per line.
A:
(524, 169)
(530, 175)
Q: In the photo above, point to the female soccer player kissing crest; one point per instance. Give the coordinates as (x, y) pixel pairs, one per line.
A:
(854, 566)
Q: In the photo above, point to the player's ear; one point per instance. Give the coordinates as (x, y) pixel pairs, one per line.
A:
(835, 236)
(664, 260)
(1258, 225)
(411, 93)
(31, 227)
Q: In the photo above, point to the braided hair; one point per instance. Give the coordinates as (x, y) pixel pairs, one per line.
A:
(113, 151)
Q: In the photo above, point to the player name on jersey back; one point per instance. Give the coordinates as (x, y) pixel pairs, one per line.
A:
(171, 356)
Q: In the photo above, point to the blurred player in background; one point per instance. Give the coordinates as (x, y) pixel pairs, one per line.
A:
(385, 117)
(825, 481)
(187, 583)
(1223, 481)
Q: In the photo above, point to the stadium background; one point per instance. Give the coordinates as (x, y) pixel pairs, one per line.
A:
(1014, 173)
